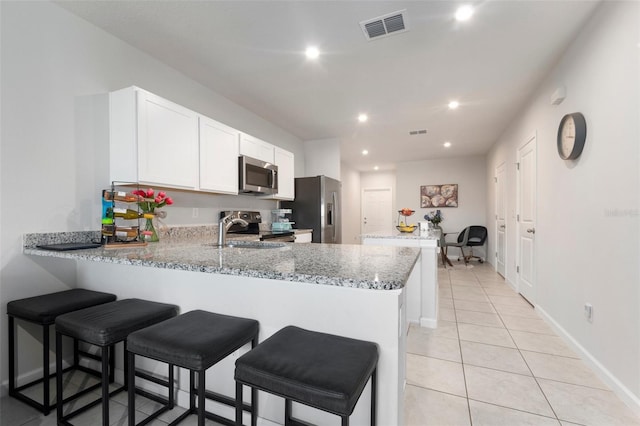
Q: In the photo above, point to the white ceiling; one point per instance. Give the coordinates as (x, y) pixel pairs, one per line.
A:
(252, 52)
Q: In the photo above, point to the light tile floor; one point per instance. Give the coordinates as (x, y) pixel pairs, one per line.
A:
(492, 361)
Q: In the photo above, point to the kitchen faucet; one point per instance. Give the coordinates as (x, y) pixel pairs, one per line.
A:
(224, 225)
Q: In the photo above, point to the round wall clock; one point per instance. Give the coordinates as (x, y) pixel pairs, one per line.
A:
(572, 133)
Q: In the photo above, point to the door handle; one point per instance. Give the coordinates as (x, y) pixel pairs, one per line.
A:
(502, 226)
(531, 230)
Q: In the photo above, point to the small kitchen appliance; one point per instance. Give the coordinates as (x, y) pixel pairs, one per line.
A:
(280, 220)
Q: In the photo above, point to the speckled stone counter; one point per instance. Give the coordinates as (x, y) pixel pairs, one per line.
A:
(403, 235)
(379, 268)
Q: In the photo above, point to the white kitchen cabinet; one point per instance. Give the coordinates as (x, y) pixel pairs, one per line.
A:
(152, 140)
(218, 157)
(285, 162)
(256, 148)
(304, 237)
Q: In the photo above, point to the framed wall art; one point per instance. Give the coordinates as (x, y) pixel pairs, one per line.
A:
(439, 195)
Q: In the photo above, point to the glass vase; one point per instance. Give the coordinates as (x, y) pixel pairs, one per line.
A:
(153, 235)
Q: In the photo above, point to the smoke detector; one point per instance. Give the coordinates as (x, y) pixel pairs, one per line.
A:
(385, 25)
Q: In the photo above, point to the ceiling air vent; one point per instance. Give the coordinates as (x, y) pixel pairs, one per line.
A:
(418, 132)
(386, 25)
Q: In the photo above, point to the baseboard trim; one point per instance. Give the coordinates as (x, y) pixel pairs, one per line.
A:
(428, 322)
(629, 398)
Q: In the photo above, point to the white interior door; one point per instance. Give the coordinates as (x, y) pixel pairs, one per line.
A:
(376, 211)
(526, 220)
(501, 222)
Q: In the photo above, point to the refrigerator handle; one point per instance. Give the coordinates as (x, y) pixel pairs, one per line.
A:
(334, 199)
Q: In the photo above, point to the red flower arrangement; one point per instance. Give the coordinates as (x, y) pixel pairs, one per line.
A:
(149, 203)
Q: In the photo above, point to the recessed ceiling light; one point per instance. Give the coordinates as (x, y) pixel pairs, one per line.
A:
(464, 13)
(312, 52)
(447, 144)
(375, 167)
(362, 118)
(454, 104)
(365, 152)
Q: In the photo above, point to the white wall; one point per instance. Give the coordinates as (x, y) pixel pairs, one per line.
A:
(322, 157)
(467, 172)
(350, 205)
(53, 152)
(587, 228)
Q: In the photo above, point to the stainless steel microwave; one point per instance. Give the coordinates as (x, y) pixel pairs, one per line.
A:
(256, 176)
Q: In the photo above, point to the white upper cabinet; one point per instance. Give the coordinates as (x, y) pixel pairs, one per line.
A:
(157, 142)
(256, 148)
(218, 157)
(285, 162)
(152, 140)
(167, 142)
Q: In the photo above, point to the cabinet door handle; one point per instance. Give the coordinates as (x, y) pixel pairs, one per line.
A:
(531, 230)
(502, 227)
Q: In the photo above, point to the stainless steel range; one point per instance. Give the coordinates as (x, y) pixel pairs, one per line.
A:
(253, 228)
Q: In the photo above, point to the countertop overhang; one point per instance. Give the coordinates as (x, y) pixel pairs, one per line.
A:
(356, 266)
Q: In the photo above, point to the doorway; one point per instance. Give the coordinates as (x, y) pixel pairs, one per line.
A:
(526, 220)
(501, 220)
(376, 211)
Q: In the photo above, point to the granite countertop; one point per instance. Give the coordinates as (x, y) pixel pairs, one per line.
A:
(405, 235)
(359, 266)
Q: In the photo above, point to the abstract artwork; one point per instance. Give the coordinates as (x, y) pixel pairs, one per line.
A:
(439, 195)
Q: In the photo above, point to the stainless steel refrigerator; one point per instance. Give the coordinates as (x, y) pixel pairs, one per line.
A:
(317, 206)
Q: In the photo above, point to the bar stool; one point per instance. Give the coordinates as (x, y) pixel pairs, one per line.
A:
(43, 310)
(104, 326)
(320, 370)
(196, 341)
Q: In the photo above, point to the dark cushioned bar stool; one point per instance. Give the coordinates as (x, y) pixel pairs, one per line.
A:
(42, 311)
(104, 326)
(196, 341)
(320, 370)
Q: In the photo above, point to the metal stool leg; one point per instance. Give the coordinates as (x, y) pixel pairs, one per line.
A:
(12, 357)
(131, 386)
(373, 396)
(59, 412)
(287, 412)
(254, 392)
(239, 404)
(171, 386)
(45, 370)
(105, 389)
(201, 398)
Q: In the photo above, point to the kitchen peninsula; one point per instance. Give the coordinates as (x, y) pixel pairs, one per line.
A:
(350, 290)
(422, 288)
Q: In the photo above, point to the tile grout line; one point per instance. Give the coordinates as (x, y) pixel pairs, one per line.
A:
(464, 375)
(525, 361)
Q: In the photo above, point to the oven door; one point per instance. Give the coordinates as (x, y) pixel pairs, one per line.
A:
(280, 237)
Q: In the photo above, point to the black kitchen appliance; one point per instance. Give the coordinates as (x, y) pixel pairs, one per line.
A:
(253, 228)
